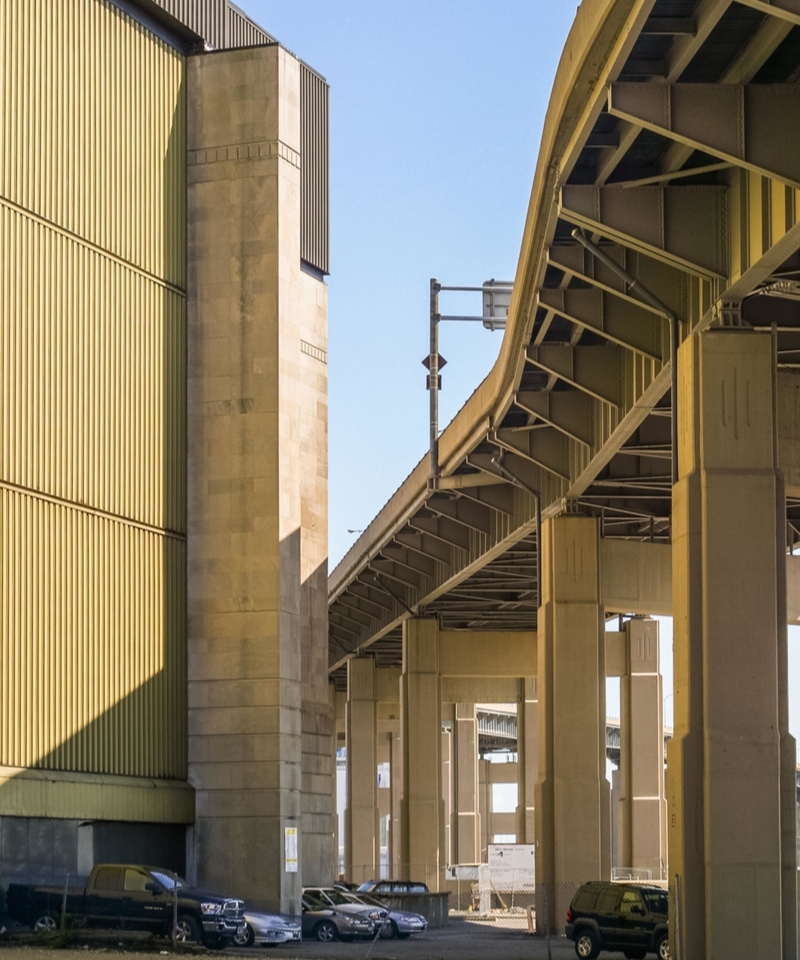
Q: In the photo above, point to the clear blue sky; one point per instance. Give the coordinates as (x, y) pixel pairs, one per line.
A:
(436, 112)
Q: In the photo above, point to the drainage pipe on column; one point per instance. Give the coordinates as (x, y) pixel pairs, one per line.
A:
(674, 331)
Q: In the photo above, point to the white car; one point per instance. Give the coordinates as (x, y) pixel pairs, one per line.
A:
(264, 928)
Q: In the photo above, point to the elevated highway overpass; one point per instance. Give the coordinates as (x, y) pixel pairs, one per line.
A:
(634, 451)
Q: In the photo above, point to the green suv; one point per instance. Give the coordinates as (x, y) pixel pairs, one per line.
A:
(631, 917)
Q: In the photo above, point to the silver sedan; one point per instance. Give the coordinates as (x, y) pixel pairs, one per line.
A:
(400, 923)
(265, 928)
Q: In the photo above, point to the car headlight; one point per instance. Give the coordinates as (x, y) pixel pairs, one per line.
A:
(210, 909)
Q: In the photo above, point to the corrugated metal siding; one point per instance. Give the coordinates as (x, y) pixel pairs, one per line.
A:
(205, 17)
(92, 361)
(92, 129)
(314, 240)
(93, 367)
(242, 32)
(93, 664)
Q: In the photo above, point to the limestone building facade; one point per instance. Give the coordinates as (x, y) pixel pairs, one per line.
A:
(163, 461)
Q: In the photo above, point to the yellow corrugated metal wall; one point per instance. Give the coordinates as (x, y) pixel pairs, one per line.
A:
(92, 396)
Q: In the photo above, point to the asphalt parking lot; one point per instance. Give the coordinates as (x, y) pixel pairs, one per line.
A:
(504, 937)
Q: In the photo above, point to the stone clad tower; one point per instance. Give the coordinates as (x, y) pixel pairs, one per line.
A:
(258, 701)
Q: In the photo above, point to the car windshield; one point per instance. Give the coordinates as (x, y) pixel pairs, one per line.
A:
(365, 898)
(335, 896)
(167, 881)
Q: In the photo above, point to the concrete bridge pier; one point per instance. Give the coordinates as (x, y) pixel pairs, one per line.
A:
(572, 794)
(642, 807)
(422, 804)
(465, 827)
(361, 814)
(527, 759)
(728, 789)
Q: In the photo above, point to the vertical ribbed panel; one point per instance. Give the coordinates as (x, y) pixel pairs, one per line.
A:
(205, 17)
(92, 129)
(93, 647)
(92, 387)
(314, 169)
(93, 368)
(242, 32)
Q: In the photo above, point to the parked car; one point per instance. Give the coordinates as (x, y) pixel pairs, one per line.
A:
(265, 928)
(399, 923)
(385, 887)
(328, 914)
(131, 897)
(613, 916)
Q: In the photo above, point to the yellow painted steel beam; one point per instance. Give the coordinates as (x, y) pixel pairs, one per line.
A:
(751, 126)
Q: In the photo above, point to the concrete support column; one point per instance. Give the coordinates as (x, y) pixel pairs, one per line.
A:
(338, 703)
(396, 828)
(387, 685)
(642, 804)
(572, 794)
(527, 758)
(422, 808)
(448, 786)
(485, 806)
(361, 856)
(465, 830)
(731, 761)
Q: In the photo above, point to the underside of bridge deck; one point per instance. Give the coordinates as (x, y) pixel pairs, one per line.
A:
(667, 188)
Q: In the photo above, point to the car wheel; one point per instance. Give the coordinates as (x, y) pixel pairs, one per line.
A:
(187, 930)
(46, 922)
(662, 948)
(389, 930)
(326, 932)
(586, 945)
(246, 939)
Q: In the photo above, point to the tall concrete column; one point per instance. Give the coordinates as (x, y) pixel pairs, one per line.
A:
(422, 808)
(260, 722)
(339, 705)
(448, 785)
(527, 758)
(730, 763)
(485, 806)
(642, 804)
(465, 830)
(387, 684)
(362, 856)
(572, 794)
(396, 828)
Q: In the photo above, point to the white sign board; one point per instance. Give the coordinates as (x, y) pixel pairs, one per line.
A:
(290, 849)
(512, 865)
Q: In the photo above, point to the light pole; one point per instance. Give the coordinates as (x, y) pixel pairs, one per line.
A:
(496, 300)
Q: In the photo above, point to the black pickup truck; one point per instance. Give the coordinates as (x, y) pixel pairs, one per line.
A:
(123, 896)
